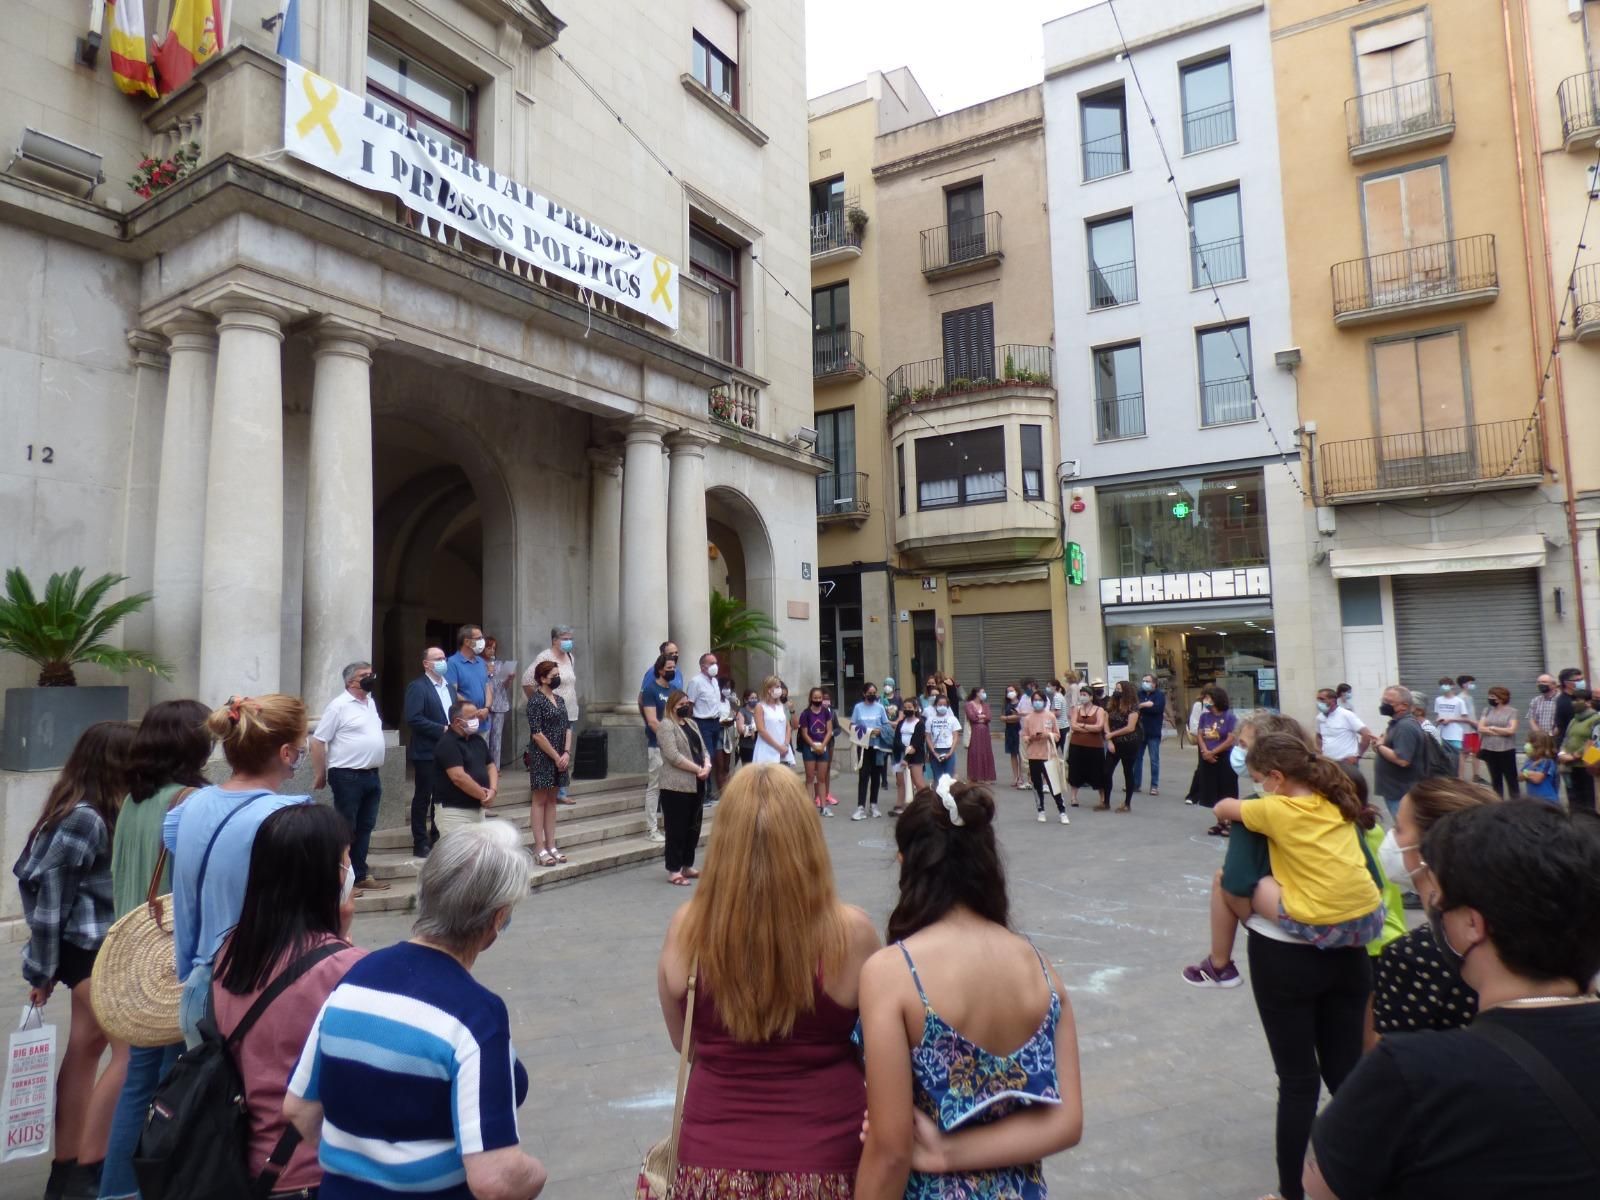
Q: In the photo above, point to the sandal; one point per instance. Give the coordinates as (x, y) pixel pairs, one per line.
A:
(1216, 830)
(545, 859)
(677, 881)
(691, 873)
(556, 854)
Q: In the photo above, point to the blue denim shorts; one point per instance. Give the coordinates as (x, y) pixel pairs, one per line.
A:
(1356, 932)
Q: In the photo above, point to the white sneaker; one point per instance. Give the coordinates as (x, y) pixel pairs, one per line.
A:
(860, 814)
(1042, 817)
(657, 836)
(827, 812)
(875, 811)
(1066, 820)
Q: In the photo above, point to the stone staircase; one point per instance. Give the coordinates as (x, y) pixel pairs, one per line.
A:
(604, 831)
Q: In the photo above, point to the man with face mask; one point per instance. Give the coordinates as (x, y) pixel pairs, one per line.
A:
(466, 670)
(706, 695)
(1152, 721)
(471, 781)
(1400, 751)
(1542, 708)
(346, 754)
(1504, 1107)
(427, 715)
(1580, 736)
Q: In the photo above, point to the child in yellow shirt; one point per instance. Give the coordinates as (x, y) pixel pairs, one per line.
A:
(1320, 888)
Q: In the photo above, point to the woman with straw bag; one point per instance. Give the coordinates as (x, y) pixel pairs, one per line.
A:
(773, 1105)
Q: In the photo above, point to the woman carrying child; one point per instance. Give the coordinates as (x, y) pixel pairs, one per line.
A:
(1539, 770)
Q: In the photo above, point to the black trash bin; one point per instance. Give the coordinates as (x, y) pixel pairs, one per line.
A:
(592, 755)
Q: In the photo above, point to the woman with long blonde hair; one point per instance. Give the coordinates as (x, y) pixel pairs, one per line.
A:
(775, 1098)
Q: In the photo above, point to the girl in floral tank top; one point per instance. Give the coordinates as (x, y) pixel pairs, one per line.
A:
(963, 1022)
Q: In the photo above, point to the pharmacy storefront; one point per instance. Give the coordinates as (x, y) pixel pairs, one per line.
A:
(1184, 586)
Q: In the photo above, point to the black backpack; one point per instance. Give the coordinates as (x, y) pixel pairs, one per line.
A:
(193, 1146)
(1439, 758)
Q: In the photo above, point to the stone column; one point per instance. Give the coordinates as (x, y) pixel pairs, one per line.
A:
(241, 603)
(642, 601)
(181, 504)
(138, 516)
(688, 569)
(599, 681)
(336, 617)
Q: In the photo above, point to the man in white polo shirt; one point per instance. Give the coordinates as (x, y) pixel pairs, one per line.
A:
(346, 752)
(704, 691)
(1340, 732)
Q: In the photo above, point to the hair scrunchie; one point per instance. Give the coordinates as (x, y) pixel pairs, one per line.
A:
(945, 788)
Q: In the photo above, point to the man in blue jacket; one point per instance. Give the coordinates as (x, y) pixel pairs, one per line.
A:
(1152, 715)
(427, 714)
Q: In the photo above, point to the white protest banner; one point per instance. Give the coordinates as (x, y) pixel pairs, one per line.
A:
(351, 137)
(28, 1110)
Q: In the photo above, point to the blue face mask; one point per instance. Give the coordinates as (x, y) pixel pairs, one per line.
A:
(566, 645)
(1146, 686)
(1038, 704)
(1236, 758)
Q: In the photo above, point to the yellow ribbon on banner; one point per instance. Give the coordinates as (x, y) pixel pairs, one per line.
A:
(320, 111)
(663, 273)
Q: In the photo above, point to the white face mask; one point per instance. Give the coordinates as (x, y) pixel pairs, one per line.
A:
(477, 646)
(348, 886)
(436, 665)
(1391, 857)
(472, 725)
(711, 671)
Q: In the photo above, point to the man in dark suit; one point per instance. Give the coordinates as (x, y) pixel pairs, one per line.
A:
(428, 701)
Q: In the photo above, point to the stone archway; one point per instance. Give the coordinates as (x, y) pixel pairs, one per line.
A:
(734, 526)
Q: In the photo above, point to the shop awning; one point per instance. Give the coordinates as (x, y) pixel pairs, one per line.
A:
(1187, 613)
(1491, 554)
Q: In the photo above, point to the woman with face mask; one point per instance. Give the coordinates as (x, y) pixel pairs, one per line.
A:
(816, 748)
(685, 766)
(980, 746)
(1497, 745)
(1124, 742)
(772, 725)
(744, 724)
(210, 834)
(549, 760)
(1086, 745)
(911, 741)
(1040, 739)
(295, 920)
(943, 735)
(1012, 719)
(1504, 1107)
(1217, 775)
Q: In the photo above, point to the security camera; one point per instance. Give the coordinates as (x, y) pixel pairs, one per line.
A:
(806, 436)
(1070, 469)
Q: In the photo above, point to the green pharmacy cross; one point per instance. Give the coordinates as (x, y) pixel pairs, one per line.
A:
(1182, 509)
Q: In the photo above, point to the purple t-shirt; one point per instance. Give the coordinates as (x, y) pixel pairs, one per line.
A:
(816, 723)
(1215, 728)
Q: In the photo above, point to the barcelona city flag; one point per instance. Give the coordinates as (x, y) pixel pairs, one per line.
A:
(130, 55)
(194, 35)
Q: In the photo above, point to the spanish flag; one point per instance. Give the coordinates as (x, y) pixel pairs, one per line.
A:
(130, 55)
(194, 36)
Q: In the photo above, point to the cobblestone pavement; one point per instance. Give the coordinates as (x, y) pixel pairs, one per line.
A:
(1178, 1087)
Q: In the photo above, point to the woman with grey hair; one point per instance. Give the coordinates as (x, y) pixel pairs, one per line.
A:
(410, 1021)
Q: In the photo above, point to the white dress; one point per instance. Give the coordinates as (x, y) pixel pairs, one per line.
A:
(774, 718)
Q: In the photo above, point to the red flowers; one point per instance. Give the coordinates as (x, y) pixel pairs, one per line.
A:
(157, 174)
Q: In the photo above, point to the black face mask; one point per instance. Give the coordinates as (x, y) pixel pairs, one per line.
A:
(1545, 689)
(369, 684)
(872, 697)
(684, 712)
(1386, 709)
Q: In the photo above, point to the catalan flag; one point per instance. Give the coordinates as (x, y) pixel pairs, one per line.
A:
(194, 35)
(130, 54)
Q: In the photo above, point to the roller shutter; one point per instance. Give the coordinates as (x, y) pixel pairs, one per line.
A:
(994, 649)
(1486, 625)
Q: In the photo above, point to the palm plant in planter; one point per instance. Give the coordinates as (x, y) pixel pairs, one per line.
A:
(69, 626)
(736, 627)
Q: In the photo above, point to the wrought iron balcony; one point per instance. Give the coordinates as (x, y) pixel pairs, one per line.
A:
(1119, 416)
(1104, 156)
(964, 245)
(1428, 278)
(1113, 284)
(833, 235)
(1579, 96)
(842, 496)
(837, 356)
(982, 369)
(1586, 303)
(1420, 113)
(1208, 127)
(1221, 261)
(1464, 458)
(1223, 401)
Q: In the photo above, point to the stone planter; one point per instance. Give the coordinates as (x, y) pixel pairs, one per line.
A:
(42, 724)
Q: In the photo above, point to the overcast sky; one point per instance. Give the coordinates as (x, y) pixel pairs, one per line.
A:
(960, 52)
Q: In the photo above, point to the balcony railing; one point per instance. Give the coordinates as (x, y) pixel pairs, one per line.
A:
(970, 242)
(1504, 452)
(832, 230)
(1408, 114)
(1116, 283)
(1441, 275)
(1586, 303)
(1120, 416)
(1207, 127)
(842, 495)
(1105, 156)
(1226, 400)
(838, 354)
(737, 404)
(1579, 96)
(1221, 261)
(986, 367)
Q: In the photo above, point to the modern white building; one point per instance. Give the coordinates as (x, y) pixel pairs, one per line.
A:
(1180, 473)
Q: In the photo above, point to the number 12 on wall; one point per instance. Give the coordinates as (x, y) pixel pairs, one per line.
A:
(46, 454)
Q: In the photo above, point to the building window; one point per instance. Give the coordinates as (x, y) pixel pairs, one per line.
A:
(715, 263)
(1033, 462)
(968, 345)
(830, 331)
(961, 468)
(1105, 133)
(1423, 409)
(836, 442)
(1112, 277)
(1118, 392)
(1207, 89)
(828, 226)
(1190, 524)
(1394, 78)
(1217, 240)
(963, 208)
(419, 96)
(900, 475)
(1224, 355)
(716, 70)
(1409, 254)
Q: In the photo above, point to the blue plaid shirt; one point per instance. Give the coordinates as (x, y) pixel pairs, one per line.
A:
(65, 879)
